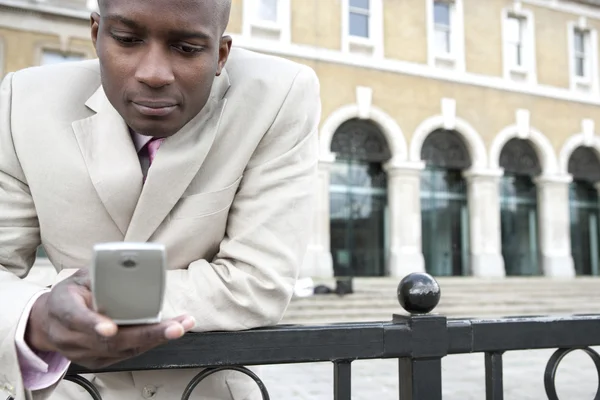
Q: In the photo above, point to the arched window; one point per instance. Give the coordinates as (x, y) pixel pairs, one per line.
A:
(358, 200)
(444, 211)
(518, 208)
(584, 166)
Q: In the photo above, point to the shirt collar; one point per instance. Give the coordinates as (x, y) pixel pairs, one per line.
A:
(139, 140)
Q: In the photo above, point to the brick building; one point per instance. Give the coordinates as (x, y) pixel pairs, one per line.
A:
(457, 136)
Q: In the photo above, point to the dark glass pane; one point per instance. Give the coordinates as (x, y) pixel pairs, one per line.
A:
(579, 41)
(445, 149)
(584, 164)
(360, 4)
(584, 215)
(444, 222)
(358, 202)
(360, 140)
(518, 212)
(441, 11)
(518, 157)
(359, 25)
(580, 67)
(41, 253)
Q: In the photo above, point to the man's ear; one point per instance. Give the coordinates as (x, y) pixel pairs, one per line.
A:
(95, 25)
(224, 49)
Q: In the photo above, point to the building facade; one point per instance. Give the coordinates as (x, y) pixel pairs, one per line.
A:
(457, 137)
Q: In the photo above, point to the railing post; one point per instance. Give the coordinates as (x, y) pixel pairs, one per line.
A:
(420, 375)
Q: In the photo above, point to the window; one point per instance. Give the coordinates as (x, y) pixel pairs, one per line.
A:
(583, 62)
(514, 37)
(359, 18)
(580, 50)
(267, 19)
(362, 27)
(56, 57)
(519, 45)
(446, 34)
(443, 28)
(267, 10)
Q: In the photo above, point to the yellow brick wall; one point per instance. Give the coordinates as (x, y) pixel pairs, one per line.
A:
(20, 48)
(317, 23)
(483, 36)
(236, 17)
(552, 50)
(405, 30)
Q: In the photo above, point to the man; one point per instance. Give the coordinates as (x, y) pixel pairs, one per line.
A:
(170, 136)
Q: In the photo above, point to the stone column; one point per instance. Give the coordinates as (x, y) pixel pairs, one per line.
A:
(554, 226)
(404, 202)
(484, 222)
(318, 261)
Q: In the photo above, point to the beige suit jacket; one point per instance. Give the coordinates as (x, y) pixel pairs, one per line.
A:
(230, 196)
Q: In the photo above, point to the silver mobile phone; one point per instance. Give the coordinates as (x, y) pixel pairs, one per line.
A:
(128, 281)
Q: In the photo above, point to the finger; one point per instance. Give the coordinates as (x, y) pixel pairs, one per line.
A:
(187, 321)
(70, 308)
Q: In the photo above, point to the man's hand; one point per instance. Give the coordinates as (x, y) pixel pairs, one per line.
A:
(63, 321)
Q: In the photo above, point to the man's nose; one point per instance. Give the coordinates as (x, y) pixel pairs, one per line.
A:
(155, 69)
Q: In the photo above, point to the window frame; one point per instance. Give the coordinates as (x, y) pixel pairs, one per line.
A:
(455, 59)
(371, 45)
(589, 83)
(255, 27)
(527, 71)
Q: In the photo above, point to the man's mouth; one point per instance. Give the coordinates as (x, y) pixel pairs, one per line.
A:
(154, 108)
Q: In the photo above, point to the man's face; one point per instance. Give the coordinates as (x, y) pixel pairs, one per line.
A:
(158, 59)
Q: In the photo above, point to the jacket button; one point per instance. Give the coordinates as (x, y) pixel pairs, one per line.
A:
(149, 392)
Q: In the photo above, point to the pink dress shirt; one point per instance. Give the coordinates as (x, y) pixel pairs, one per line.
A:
(41, 370)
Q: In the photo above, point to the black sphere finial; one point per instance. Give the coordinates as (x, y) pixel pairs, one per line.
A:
(419, 293)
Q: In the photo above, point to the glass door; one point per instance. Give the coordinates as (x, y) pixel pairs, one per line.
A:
(583, 202)
(518, 210)
(358, 218)
(444, 222)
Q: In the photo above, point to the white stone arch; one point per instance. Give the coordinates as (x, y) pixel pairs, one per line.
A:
(571, 145)
(471, 138)
(541, 144)
(387, 125)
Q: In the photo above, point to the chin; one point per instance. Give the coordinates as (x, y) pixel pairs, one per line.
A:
(155, 128)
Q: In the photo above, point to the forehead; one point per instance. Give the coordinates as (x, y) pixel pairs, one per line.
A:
(166, 14)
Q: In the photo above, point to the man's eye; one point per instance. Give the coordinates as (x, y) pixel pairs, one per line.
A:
(125, 39)
(187, 49)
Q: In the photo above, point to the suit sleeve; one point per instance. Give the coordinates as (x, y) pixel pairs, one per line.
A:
(19, 239)
(250, 282)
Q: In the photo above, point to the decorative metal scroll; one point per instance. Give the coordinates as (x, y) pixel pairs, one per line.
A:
(584, 165)
(360, 140)
(209, 371)
(519, 157)
(552, 367)
(445, 149)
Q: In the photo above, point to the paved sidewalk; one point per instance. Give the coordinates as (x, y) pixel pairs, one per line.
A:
(463, 378)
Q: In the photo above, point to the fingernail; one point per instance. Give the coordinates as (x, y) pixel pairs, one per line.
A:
(106, 329)
(189, 323)
(174, 331)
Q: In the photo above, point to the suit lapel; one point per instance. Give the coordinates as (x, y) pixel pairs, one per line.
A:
(176, 164)
(111, 159)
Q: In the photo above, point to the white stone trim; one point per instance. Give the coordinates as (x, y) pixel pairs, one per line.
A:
(389, 128)
(413, 69)
(472, 140)
(373, 45)
(581, 139)
(528, 73)
(542, 145)
(456, 60)
(589, 85)
(254, 27)
(566, 7)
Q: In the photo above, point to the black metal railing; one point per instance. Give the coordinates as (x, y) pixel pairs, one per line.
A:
(419, 341)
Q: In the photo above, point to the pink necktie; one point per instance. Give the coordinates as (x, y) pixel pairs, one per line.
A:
(153, 146)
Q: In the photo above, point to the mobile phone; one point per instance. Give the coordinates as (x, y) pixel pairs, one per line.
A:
(128, 281)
